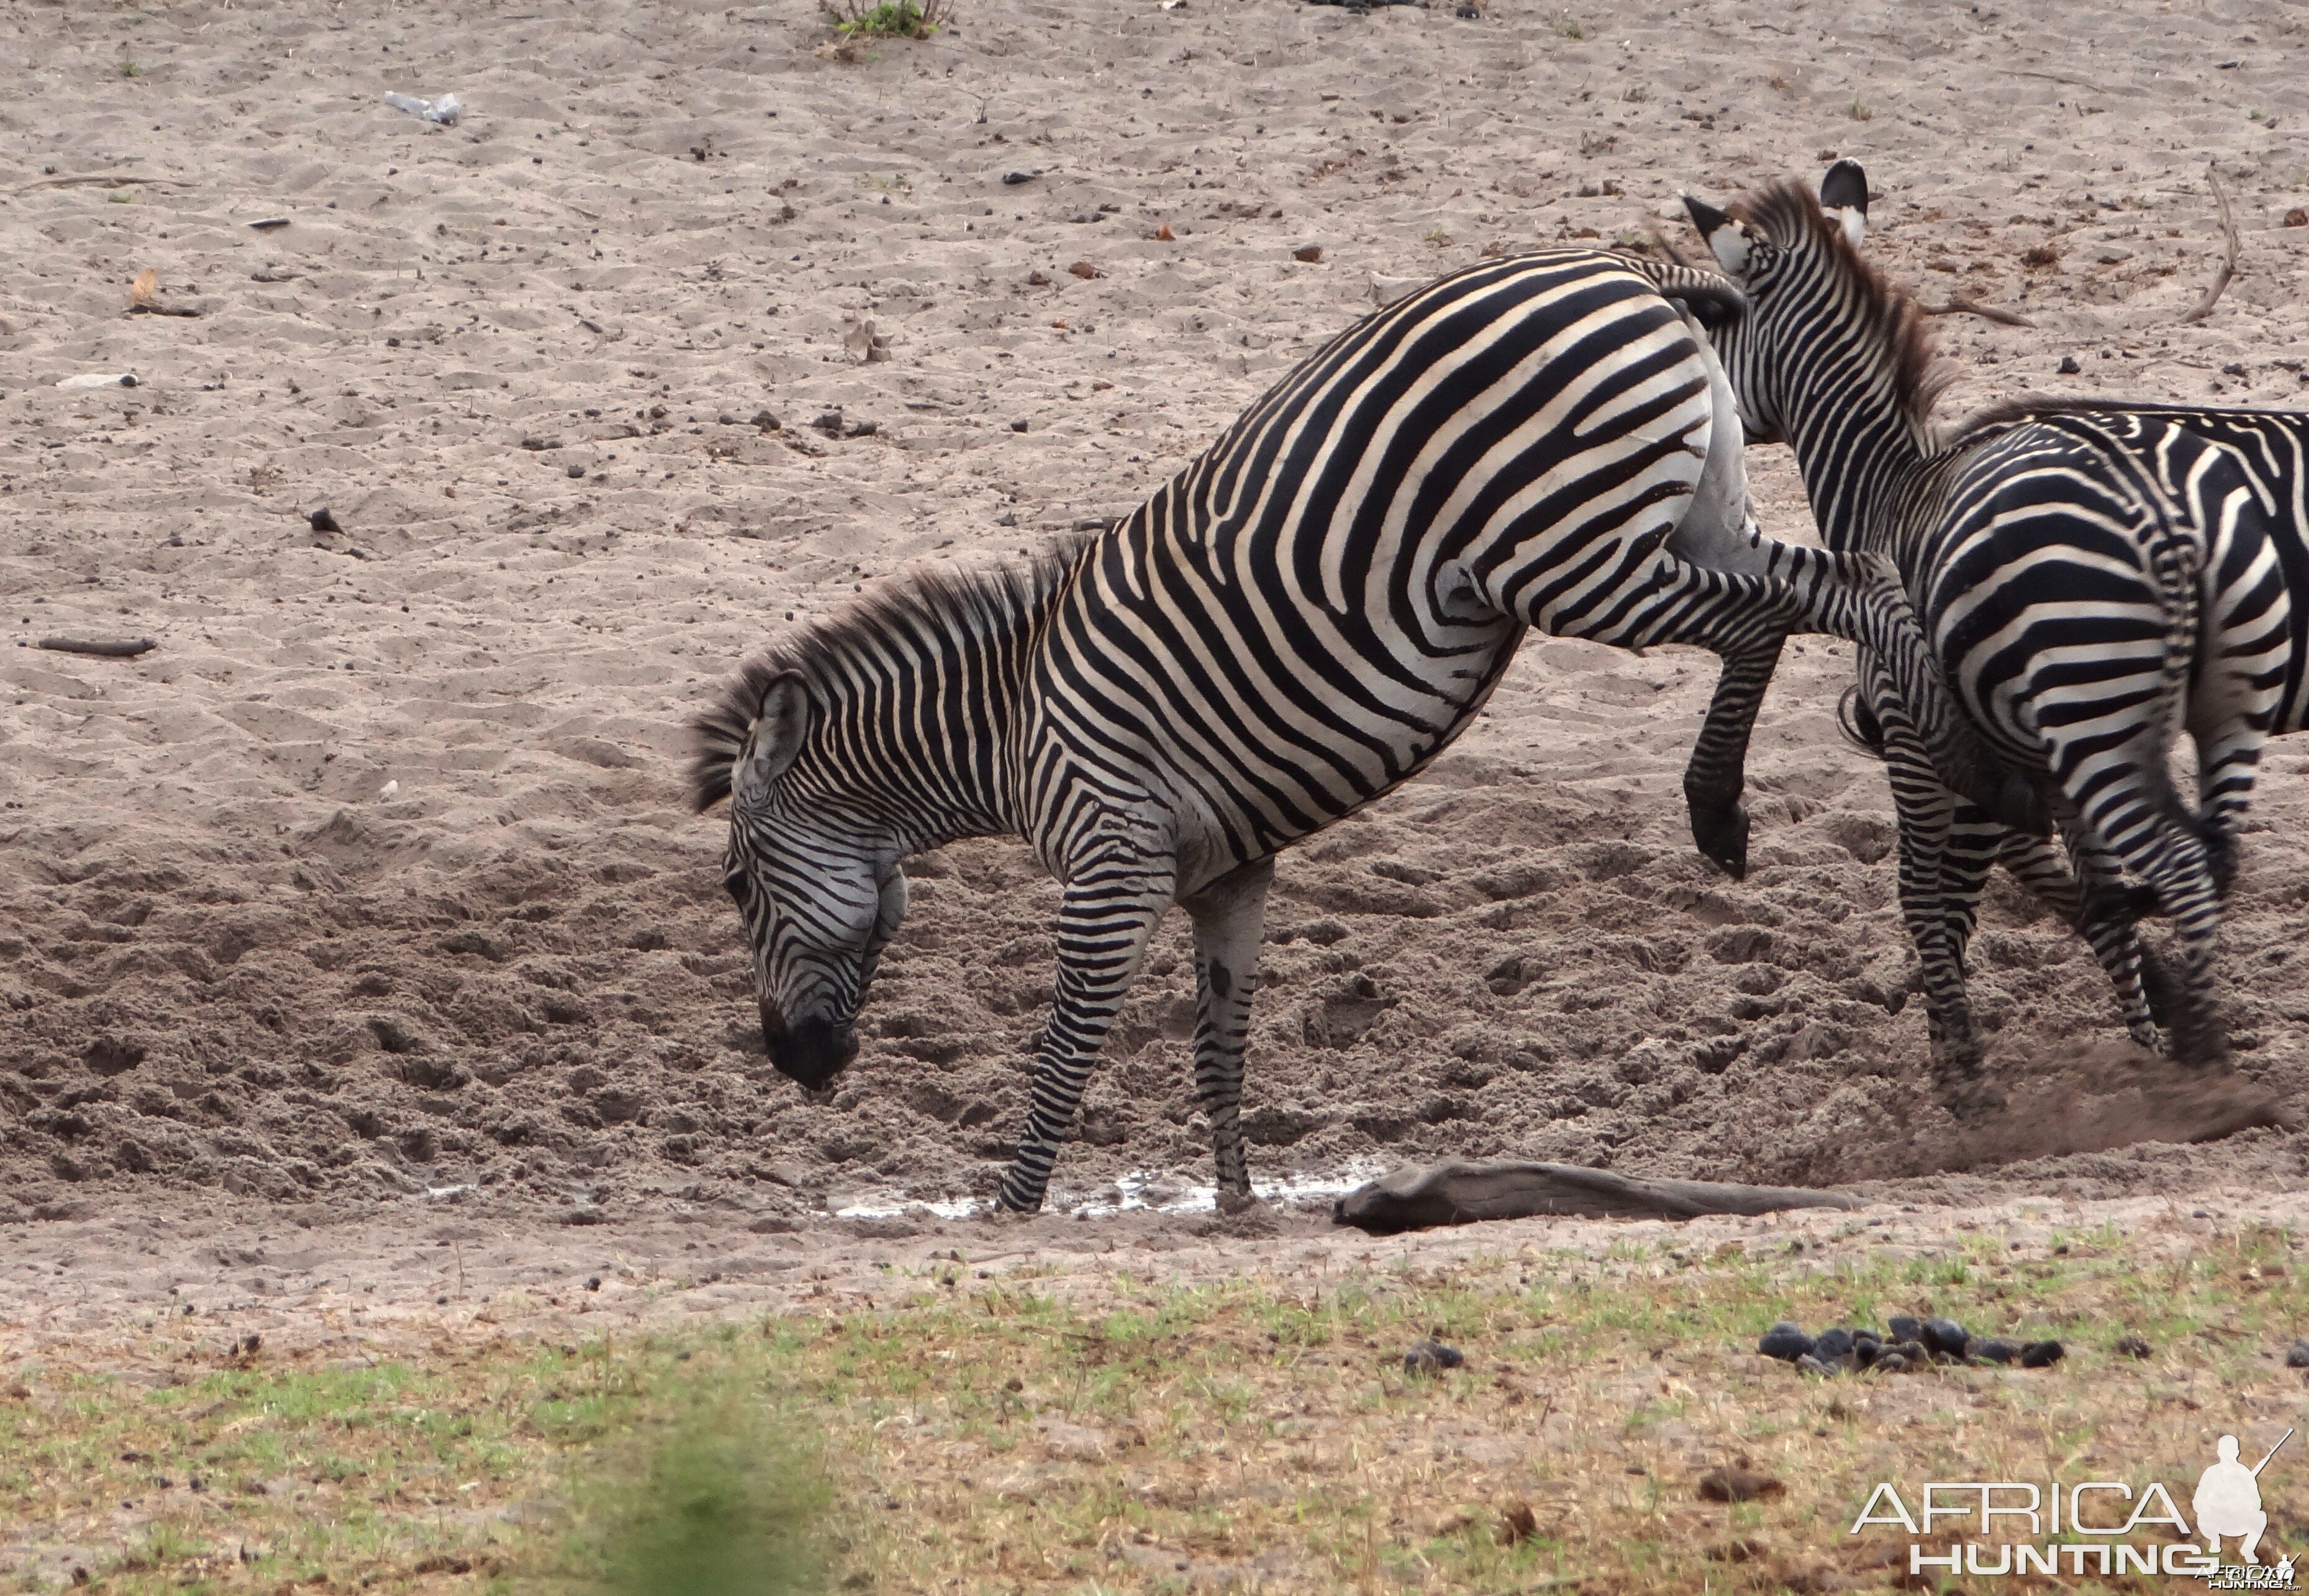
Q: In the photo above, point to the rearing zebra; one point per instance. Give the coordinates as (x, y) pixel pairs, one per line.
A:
(1292, 626)
(2087, 581)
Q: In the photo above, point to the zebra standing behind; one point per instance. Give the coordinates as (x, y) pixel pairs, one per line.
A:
(1292, 626)
(2271, 448)
(2086, 582)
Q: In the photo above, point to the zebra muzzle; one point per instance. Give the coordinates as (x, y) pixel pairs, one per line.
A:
(810, 1053)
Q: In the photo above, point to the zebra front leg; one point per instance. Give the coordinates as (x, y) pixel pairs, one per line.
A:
(1714, 779)
(1926, 808)
(1229, 916)
(1108, 911)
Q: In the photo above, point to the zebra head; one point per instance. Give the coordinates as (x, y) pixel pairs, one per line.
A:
(816, 881)
(1797, 260)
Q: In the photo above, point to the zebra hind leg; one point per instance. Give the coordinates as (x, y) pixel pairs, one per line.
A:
(2103, 920)
(1713, 780)
(1229, 916)
(1108, 913)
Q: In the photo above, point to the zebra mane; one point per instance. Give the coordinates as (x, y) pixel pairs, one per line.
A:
(1786, 212)
(2000, 414)
(923, 602)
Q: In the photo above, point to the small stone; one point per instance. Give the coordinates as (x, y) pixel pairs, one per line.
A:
(2069, 367)
(1517, 1524)
(1811, 1365)
(1017, 426)
(323, 522)
(1866, 1350)
(594, 1283)
(2133, 1346)
(1738, 1485)
(1944, 1336)
(1308, 252)
(2042, 1354)
(1832, 1344)
(830, 423)
(2298, 1355)
(1891, 1363)
(1906, 1328)
(727, 420)
(2235, 368)
(1431, 1357)
(766, 421)
(1017, 178)
(1038, 280)
(577, 470)
(1993, 1351)
(1785, 1343)
(1085, 270)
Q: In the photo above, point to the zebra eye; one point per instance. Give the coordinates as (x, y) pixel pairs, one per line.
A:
(736, 885)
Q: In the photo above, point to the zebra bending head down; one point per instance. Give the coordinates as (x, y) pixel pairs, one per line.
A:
(1292, 627)
(2090, 581)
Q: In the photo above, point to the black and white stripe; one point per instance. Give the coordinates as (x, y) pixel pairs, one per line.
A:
(1292, 626)
(2091, 583)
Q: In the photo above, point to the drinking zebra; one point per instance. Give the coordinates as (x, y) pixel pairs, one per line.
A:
(2087, 579)
(1293, 625)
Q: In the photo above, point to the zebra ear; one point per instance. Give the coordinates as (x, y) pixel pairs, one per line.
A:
(774, 740)
(1844, 195)
(1726, 238)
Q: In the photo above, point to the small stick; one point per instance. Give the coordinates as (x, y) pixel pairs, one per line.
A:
(2228, 254)
(125, 649)
(106, 182)
(1958, 305)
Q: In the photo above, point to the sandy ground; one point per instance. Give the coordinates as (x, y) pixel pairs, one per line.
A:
(366, 904)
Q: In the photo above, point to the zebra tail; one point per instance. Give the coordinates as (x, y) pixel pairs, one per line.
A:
(2178, 564)
(1858, 723)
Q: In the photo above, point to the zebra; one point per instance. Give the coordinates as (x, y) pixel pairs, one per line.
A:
(2272, 447)
(2086, 579)
(1294, 624)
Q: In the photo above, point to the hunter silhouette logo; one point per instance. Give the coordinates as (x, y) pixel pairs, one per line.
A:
(2229, 1500)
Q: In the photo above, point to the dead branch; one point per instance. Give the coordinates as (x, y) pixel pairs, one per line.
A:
(1958, 305)
(125, 649)
(102, 182)
(2228, 252)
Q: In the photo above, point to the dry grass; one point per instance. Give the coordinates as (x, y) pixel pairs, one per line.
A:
(988, 1436)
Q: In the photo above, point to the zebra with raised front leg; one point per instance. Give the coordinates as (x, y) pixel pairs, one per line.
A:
(1292, 626)
(2086, 581)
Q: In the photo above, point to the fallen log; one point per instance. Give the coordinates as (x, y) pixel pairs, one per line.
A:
(1420, 1195)
(126, 648)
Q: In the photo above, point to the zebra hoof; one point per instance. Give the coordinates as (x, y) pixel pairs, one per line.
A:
(1972, 1097)
(1231, 1202)
(1721, 833)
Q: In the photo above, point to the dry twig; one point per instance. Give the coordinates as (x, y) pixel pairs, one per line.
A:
(2228, 252)
(1958, 305)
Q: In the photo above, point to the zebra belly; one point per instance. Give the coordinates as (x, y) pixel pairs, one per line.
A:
(1238, 715)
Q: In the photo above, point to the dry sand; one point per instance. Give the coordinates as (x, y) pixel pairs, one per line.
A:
(375, 878)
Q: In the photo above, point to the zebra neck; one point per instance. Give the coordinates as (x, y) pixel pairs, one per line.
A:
(918, 733)
(1857, 458)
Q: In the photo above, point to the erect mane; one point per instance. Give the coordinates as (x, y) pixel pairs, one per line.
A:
(924, 600)
(1785, 212)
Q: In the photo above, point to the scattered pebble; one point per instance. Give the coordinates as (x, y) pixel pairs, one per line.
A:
(1085, 270)
(1832, 1344)
(1017, 426)
(1517, 1524)
(1906, 1327)
(1020, 177)
(1310, 253)
(2133, 1346)
(1910, 1343)
(766, 421)
(2042, 1354)
(1995, 1352)
(2298, 1356)
(2069, 367)
(2297, 217)
(1738, 1485)
(323, 522)
(577, 470)
(1431, 1357)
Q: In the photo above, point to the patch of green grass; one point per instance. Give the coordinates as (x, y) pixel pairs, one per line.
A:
(1859, 112)
(1095, 1433)
(859, 22)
